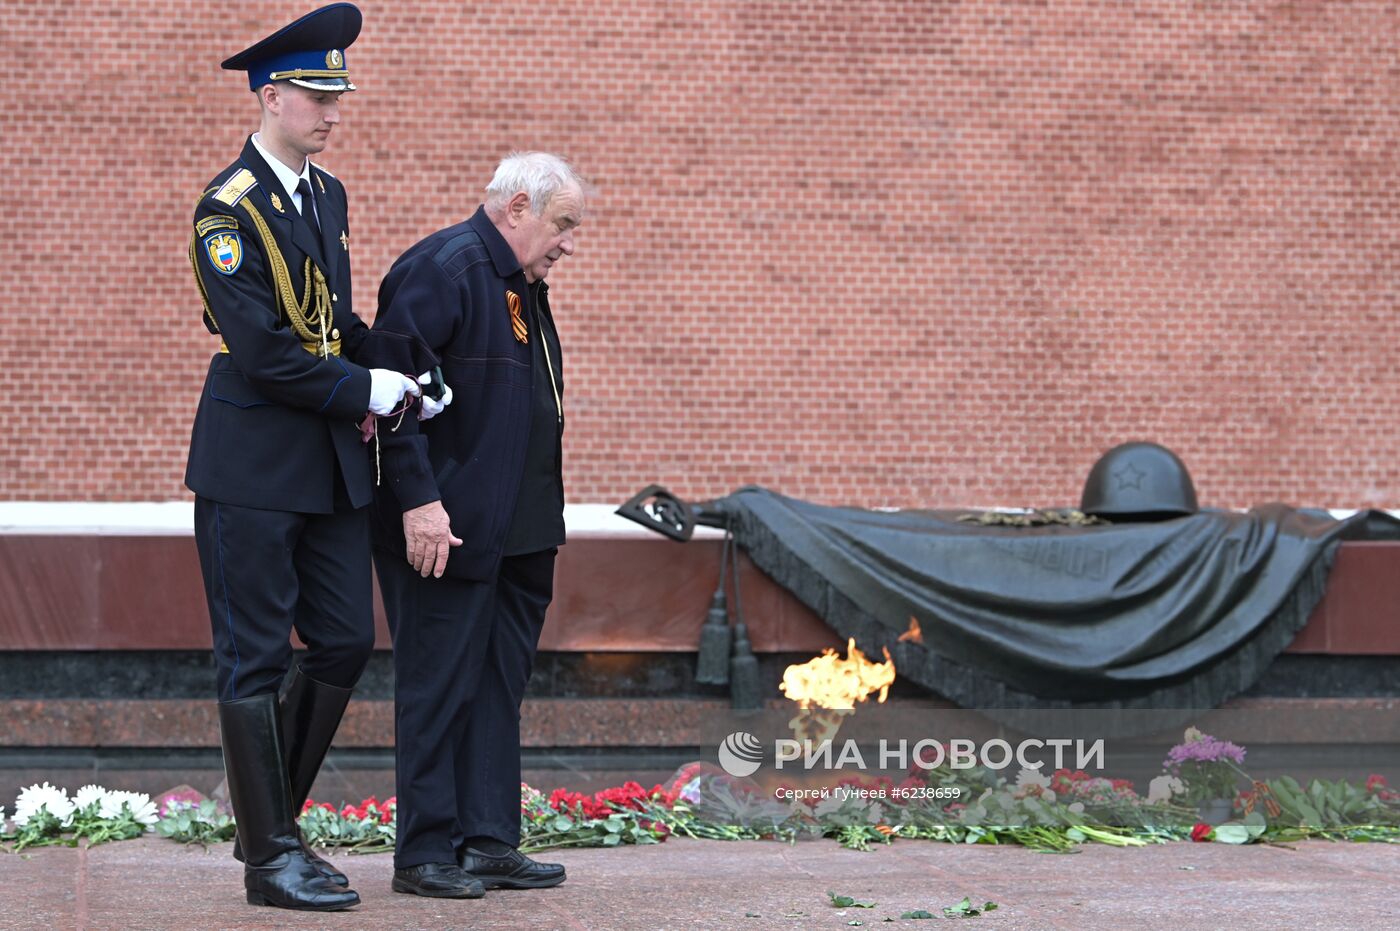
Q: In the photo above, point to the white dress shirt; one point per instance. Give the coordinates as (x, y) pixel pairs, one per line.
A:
(289, 178)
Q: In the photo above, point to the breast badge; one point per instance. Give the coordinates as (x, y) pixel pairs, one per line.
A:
(225, 251)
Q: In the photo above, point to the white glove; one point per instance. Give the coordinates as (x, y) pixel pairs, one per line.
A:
(430, 408)
(386, 390)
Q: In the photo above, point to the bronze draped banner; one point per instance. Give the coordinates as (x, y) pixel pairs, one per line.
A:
(1182, 613)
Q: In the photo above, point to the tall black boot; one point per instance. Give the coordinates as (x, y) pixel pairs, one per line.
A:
(276, 870)
(311, 712)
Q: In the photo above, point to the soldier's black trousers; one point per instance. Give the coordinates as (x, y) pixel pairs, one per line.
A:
(463, 652)
(267, 572)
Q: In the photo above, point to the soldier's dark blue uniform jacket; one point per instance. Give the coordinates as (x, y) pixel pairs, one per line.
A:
(277, 420)
(445, 302)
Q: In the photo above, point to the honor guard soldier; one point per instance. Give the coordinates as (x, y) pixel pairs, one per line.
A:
(277, 463)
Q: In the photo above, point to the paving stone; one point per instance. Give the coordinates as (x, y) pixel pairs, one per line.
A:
(159, 885)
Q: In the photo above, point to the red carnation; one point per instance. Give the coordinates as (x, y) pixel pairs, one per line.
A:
(1202, 832)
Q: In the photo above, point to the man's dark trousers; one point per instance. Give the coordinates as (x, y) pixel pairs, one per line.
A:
(463, 652)
(267, 572)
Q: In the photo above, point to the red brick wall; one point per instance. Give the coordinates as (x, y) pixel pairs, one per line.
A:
(876, 253)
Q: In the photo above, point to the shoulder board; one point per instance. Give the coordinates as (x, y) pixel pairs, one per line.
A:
(236, 187)
(322, 170)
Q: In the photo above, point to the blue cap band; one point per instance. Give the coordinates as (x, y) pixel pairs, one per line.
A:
(321, 67)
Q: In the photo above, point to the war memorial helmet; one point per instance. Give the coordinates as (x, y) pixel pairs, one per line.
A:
(1139, 481)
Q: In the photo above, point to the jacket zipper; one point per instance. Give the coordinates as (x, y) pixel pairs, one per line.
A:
(548, 363)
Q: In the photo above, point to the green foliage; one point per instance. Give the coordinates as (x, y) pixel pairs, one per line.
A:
(1044, 822)
(965, 909)
(189, 823)
(577, 830)
(42, 830)
(90, 824)
(367, 828)
(1330, 805)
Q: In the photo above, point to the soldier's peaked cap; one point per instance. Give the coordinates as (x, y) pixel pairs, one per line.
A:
(309, 52)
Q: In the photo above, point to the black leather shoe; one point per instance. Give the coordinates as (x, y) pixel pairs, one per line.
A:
(512, 870)
(291, 880)
(438, 881)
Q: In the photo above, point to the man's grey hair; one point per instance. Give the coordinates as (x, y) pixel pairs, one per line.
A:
(539, 174)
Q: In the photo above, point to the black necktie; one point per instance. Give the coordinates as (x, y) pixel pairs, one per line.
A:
(308, 205)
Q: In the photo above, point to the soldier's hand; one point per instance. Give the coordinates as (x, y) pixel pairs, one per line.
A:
(430, 406)
(386, 390)
(427, 535)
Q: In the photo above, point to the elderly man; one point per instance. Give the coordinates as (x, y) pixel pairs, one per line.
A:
(468, 521)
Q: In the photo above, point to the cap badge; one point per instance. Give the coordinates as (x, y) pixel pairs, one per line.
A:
(276, 203)
(334, 59)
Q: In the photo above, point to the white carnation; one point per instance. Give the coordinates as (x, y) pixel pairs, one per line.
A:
(55, 801)
(87, 795)
(1030, 777)
(1163, 788)
(143, 810)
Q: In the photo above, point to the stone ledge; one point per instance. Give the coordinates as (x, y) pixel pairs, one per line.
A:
(626, 722)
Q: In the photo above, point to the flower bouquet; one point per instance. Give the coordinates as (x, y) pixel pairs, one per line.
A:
(45, 816)
(1208, 767)
(368, 827)
(625, 814)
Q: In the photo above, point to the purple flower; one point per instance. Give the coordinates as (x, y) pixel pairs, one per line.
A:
(1207, 749)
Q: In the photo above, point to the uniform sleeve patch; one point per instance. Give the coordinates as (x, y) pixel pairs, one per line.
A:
(224, 251)
(209, 224)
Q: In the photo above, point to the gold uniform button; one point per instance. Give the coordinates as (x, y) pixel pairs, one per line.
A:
(335, 297)
(335, 334)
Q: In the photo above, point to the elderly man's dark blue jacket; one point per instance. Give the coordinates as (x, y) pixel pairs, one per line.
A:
(444, 302)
